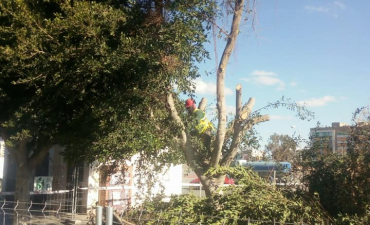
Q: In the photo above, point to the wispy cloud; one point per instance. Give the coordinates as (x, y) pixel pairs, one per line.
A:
(320, 9)
(204, 88)
(263, 73)
(317, 101)
(340, 5)
(331, 9)
(265, 78)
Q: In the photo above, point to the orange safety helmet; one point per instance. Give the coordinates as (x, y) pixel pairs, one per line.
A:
(189, 103)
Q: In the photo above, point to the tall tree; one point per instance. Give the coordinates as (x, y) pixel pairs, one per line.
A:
(230, 133)
(281, 147)
(91, 76)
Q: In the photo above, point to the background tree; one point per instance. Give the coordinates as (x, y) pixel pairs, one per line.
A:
(342, 181)
(92, 76)
(281, 147)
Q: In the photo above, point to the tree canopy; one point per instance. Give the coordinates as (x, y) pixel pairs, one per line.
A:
(92, 75)
(86, 70)
(281, 147)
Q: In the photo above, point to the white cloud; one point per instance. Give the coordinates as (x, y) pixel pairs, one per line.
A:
(293, 83)
(317, 101)
(269, 81)
(321, 9)
(204, 88)
(266, 78)
(262, 73)
(330, 9)
(340, 5)
(276, 117)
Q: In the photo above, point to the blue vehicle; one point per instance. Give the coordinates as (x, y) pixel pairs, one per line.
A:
(267, 169)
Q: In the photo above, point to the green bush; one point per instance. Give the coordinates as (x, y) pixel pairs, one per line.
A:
(252, 199)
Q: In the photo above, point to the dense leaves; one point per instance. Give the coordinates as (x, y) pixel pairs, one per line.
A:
(251, 199)
(341, 182)
(92, 76)
(87, 74)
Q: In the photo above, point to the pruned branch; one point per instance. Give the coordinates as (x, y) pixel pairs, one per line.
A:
(185, 142)
(202, 104)
(174, 114)
(230, 155)
(238, 101)
(260, 119)
(247, 109)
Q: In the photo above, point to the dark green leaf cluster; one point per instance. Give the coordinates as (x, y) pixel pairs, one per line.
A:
(92, 75)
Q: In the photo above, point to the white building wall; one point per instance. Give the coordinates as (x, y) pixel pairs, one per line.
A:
(170, 180)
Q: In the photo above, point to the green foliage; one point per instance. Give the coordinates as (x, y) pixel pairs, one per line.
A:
(341, 181)
(281, 147)
(350, 220)
(252, 198)
(92, 76)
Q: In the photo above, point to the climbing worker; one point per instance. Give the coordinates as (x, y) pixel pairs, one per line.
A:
(202, 125)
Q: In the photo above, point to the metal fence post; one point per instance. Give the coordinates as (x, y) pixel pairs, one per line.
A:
(99, 215)
(109, 215)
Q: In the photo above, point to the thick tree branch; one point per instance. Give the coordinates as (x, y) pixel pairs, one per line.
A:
(238, 102)
(247, 109)
(260, 119)
(236, 125)
(175, 116)
(221, 103)
(230, 155)
(43, 146)
(202, 104)
(185, 143)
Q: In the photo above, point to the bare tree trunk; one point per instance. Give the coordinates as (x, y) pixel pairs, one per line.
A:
(211, 185)
(221, 72)
(23, 175)
(23, 184)
(25, 166)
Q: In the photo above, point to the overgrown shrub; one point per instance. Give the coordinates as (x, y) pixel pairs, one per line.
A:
(252, 199)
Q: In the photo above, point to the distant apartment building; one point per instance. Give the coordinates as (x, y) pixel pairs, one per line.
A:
(331, 139)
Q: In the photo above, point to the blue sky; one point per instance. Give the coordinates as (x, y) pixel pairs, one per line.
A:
(315, 52)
